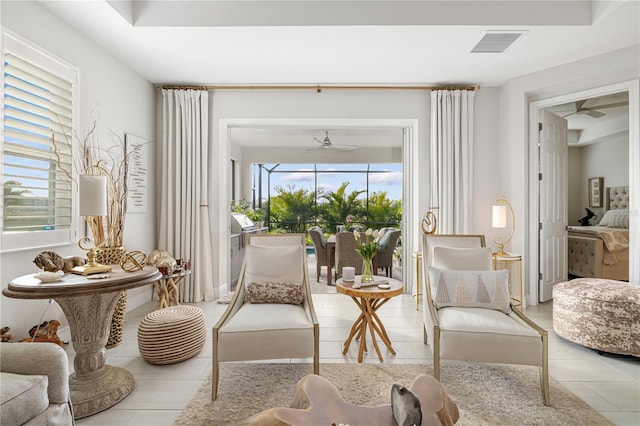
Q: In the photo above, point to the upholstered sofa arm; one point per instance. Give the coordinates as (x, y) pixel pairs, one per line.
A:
(585, 256)
(46, 359)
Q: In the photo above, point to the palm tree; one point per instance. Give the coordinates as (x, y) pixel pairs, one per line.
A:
(383, 211)
(339, 205)
(292, 209)
(13, 194)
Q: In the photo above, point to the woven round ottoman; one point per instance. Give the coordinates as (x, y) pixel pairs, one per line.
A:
(600, 314)
(172, 334)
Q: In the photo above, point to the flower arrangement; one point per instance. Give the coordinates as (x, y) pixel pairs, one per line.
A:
(367, 248)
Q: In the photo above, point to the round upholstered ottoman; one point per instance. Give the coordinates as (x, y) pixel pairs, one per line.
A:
(172, 334)
(600, 314)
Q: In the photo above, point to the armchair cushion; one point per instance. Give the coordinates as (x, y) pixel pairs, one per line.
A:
(470, 289)
(39, 373)
(273, 264)
(23, 397)
(266, 292)
(486, 335)
(268, 330)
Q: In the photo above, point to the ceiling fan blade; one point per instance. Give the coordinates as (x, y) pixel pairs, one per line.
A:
(318, 140)
(589, 103)
(579, 104)
(595, 114)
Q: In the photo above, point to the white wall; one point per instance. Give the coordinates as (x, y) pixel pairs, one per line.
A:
(575, 183)
(607, 159)
(618, 66)
(125, 103)
(328, 109)
(487, 187)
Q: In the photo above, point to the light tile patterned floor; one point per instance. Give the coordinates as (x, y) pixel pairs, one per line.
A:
(609, 384)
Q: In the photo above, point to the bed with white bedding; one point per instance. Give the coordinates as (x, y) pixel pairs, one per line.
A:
(602, 251)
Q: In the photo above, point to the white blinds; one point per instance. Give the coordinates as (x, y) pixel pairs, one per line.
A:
(37, 115)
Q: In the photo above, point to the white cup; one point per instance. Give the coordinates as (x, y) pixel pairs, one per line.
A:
(348, 273)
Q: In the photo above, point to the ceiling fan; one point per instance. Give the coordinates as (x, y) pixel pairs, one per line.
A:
(584, 107)
(328, 145)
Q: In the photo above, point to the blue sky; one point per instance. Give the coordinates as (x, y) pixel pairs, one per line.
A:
(331, 176)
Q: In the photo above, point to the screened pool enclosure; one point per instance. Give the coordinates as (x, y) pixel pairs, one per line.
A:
(296, 196)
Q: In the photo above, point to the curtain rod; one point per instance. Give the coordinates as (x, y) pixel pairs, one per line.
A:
(318, 88)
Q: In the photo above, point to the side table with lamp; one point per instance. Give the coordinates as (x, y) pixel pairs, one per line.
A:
(499, 220)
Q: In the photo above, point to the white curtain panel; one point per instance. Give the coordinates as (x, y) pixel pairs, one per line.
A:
(184, 205)
(452, 159)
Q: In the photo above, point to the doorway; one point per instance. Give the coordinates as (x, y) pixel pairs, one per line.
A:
(410, 181)
(537, 270)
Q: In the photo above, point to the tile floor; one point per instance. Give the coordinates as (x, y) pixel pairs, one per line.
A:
(609, 384)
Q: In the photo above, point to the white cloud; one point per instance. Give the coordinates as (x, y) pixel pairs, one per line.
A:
(300, 175)
(327, 187)
(391, 178)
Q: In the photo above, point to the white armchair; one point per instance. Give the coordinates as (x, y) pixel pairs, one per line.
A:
(466, 331)
(254, 327)
(34, 378)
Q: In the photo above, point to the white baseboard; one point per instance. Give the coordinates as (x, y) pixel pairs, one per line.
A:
(138, 297)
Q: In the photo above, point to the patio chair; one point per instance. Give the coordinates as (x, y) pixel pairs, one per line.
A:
(346, 254)
(320, 247)
(465, 331)
(268, 318)
(387, 248)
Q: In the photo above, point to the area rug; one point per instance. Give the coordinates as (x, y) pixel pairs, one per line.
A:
(486, 394)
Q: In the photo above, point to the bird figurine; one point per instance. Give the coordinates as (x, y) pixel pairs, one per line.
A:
(585, 220)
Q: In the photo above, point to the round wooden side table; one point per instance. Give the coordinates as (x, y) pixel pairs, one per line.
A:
(369, 299)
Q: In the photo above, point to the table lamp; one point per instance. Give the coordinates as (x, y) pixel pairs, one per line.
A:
(499, 220)
(93, 202)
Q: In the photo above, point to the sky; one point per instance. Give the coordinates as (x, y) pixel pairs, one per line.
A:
(385, 177)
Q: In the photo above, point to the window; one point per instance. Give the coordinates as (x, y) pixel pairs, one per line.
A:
(37, 124)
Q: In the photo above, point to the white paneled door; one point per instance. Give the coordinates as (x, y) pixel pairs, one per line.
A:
(552, 139)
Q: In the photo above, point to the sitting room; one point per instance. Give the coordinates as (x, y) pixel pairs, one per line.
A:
(131, 127)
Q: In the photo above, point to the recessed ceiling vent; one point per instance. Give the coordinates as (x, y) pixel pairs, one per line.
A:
(496, 42)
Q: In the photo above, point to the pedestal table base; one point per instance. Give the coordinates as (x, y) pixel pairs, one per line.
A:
(110, 386)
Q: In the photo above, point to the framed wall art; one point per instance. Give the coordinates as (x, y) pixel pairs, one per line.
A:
(596, 191)
(136, 150)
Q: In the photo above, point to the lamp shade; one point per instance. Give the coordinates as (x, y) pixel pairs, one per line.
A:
(499, 216)
(93, 195)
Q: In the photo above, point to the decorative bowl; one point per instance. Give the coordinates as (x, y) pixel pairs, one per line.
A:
(47, 277)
